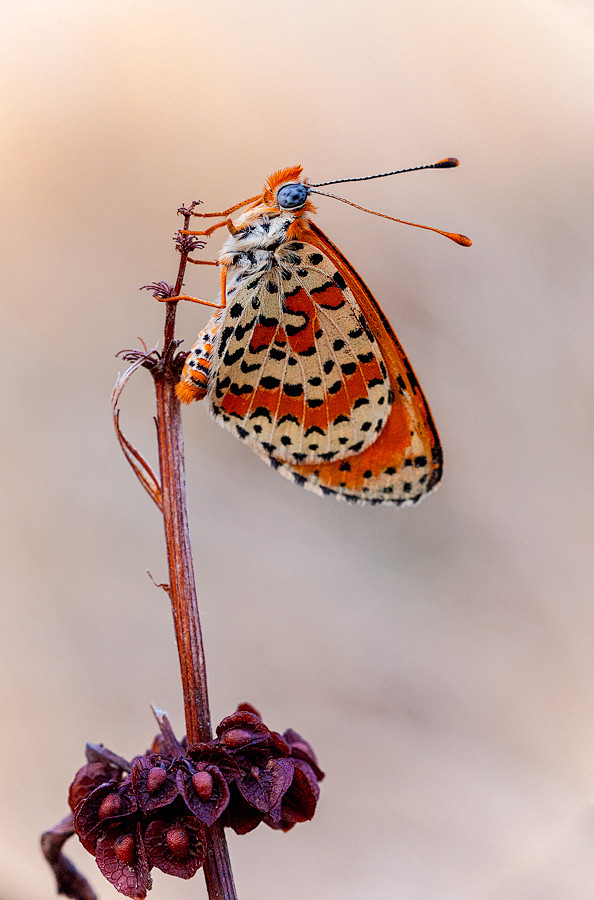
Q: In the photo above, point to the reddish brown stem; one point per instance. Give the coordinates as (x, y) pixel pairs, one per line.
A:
(182, 584)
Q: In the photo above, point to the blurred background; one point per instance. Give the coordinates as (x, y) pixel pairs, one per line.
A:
(438, 658)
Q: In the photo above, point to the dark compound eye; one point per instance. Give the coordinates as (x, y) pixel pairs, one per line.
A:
(292, 196)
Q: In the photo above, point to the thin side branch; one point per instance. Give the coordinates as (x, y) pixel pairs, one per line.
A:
(69, 881)
(139, 465)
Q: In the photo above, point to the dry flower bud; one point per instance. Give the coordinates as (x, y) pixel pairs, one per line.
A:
(154, 782)
(203, 783)
(155, 778)
(87, 779)
(122, 859)
(236, 737)
(124, 849)
(177, 848)
(178, 841)
(110, 806)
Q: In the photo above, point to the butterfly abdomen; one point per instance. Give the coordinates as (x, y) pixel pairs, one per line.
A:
(197, 367)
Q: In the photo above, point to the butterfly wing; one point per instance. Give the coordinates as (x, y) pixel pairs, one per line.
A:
(304, 367)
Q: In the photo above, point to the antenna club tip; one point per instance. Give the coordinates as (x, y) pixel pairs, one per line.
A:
(449, 163)
(463, 240)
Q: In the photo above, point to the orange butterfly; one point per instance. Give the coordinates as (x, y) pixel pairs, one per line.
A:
(300, 362)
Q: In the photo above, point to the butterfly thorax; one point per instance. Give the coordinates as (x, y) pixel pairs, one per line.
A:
(253, 248)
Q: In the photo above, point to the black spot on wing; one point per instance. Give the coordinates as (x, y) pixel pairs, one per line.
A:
(239, 389)
(246, 368)
(221, 385)
(225, 335)
(320, 288)
(261, 411)
(242, 330)
(230, 358)
(269, 383)
(292, 390)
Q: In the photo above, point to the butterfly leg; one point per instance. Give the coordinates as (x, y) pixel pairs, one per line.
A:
(199, 300)
(225, 212)
(209, 231)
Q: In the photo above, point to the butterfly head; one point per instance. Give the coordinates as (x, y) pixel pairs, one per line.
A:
(286, 191)
(292, 195)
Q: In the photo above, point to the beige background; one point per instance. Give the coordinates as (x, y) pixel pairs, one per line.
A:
(440, 659)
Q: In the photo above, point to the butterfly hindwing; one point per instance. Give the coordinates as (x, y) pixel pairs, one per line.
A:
(295, 372)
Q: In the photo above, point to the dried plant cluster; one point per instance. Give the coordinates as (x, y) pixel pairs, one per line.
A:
(156, 810)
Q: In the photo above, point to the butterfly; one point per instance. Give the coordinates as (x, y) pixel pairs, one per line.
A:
(300, 362)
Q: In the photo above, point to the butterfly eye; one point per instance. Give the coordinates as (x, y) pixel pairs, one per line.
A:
(292, 196)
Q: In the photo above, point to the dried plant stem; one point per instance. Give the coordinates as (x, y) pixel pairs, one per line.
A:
(182, 591)
(182, 584)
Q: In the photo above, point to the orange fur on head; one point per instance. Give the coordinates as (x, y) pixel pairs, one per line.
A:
(291, 173)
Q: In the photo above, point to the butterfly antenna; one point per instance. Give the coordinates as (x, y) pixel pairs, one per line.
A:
(449, 163)
(442, 164)
(452, 235)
